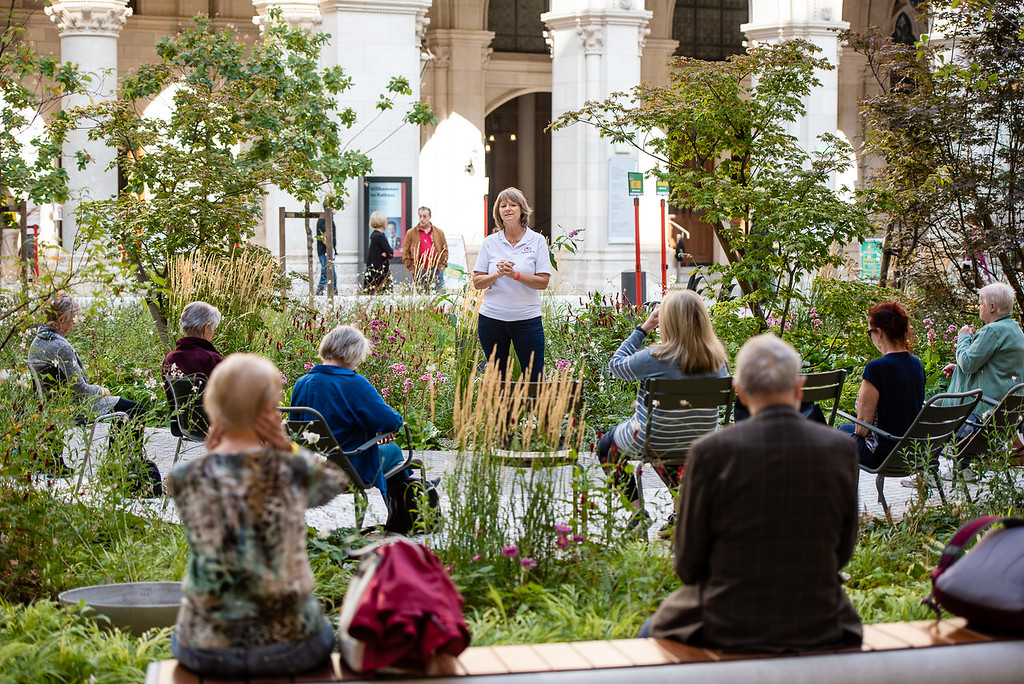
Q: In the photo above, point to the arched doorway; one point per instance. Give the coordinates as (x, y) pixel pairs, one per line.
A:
(518, 153)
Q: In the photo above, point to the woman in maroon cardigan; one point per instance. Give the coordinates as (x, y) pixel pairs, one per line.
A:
(195, 354)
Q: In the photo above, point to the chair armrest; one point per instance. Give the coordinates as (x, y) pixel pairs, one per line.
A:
(873, 428)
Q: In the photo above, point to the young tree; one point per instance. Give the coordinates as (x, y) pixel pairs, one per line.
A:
(718, 129)
(33, 128)
(948, 122)
(243, 118)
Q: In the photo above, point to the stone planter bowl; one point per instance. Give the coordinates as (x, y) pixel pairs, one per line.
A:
(134, 607)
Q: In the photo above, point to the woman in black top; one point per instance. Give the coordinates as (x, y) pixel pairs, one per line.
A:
(378, 256)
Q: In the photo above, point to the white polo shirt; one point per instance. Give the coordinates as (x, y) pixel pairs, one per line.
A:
(506, 299)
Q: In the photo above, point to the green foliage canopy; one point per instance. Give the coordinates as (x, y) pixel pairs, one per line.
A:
(719, 131)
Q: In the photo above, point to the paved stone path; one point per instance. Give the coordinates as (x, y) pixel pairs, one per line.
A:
(341, 512)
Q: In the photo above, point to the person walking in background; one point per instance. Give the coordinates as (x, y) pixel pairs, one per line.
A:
(767, 519)
(513, 266)
(425, 252)
(378, 256)
(321, 253)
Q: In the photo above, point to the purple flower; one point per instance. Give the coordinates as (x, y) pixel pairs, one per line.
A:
(528, 563)
(562, 542)
(574, 233)
(562, 528)
(579, 538)
(475, 558)
(562, 364)
(308, 366)
(510, 551)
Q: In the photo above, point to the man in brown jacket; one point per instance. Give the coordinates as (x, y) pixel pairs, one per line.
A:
(425, 252)
(766, 521)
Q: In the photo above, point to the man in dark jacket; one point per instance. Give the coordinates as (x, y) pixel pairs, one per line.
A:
(766, 521)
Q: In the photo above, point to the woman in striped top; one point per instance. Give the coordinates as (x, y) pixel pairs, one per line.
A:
(688, 349)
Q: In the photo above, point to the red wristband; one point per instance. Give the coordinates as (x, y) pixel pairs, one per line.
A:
(519, 274)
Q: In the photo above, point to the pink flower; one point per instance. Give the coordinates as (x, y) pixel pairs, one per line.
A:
(398, 369)
(510, 551)
(528, 563)
(562, 364)
(562, 528)
(562, 542)
(308, 366)
(426, 377)
(407, 384)
(475, 558)
(579, 538)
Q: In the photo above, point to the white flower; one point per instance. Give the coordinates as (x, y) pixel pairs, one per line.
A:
(150, 383)
(323, 534)
(21, 382)
(310, 437)
(4, 375)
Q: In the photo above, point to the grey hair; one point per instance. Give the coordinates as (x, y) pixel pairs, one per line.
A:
(999, 294)
(346, 345)
(196, 316)
(767, 365)
(61, 304)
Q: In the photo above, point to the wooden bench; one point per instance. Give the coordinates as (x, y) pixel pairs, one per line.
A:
(895, 648)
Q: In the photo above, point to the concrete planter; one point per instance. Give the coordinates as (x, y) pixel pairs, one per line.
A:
(134, 607)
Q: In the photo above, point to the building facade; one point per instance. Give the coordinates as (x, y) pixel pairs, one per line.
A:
(496, 72)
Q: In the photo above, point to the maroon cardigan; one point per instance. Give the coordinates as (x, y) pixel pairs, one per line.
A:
(191, 356)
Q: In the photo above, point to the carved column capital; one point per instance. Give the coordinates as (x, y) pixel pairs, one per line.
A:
(89, 17)
(304, 14)
(592, 38)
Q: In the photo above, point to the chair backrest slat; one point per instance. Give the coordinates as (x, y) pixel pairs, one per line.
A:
(938, 420)
(316, 435)
(187, 412)
(825, 386)
(689, 393)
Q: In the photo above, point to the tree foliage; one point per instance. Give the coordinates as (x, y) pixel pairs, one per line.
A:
(948, 121)
(32, 89)
(243, 118)
(719, 132)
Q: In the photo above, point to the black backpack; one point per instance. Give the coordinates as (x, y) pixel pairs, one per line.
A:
(412, 508)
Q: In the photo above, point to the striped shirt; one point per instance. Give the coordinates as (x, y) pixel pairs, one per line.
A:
(671, 431)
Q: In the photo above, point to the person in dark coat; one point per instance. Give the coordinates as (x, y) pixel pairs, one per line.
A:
(766, 521)
(378, 256)
(321, 254)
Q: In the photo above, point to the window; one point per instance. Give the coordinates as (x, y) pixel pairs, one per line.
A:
(517, 26)
(709, 29)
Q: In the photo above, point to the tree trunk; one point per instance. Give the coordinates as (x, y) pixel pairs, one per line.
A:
(746, 287)
(154, 308)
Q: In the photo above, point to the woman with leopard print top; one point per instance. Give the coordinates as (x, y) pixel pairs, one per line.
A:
(248, 606)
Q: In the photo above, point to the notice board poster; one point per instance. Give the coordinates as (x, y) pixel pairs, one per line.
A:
(621, 228)
(870, 260)
(393, 196)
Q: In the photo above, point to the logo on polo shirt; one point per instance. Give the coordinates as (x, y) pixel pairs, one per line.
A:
(527, 249)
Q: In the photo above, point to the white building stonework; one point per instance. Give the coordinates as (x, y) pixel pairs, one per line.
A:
(88, 37)
(495, 72)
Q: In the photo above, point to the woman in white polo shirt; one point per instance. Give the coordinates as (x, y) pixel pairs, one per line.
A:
(513, 267)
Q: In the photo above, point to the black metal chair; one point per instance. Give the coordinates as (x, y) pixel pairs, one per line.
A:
(49, 381)
(188, 419)
(1000, 422)
(674, 395)
(317, 436)
(824, 387)
(934, 427)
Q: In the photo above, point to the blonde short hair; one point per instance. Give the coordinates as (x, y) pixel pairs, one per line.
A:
(516, 196)
(346, 345)
(687, 336)
(378, 219)
(241, 387)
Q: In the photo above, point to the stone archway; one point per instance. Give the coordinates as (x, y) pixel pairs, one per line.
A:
(518, 152)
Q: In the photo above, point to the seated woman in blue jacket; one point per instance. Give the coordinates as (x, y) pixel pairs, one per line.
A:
(353, 409)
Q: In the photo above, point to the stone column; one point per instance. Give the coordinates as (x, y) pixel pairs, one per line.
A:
(596, 50)
(816, 21)
(526, 144)
(373, 42)
(452, 166)
(304, 14)
(88, 32)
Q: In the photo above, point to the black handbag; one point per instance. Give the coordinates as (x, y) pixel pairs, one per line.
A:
(986, 585)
